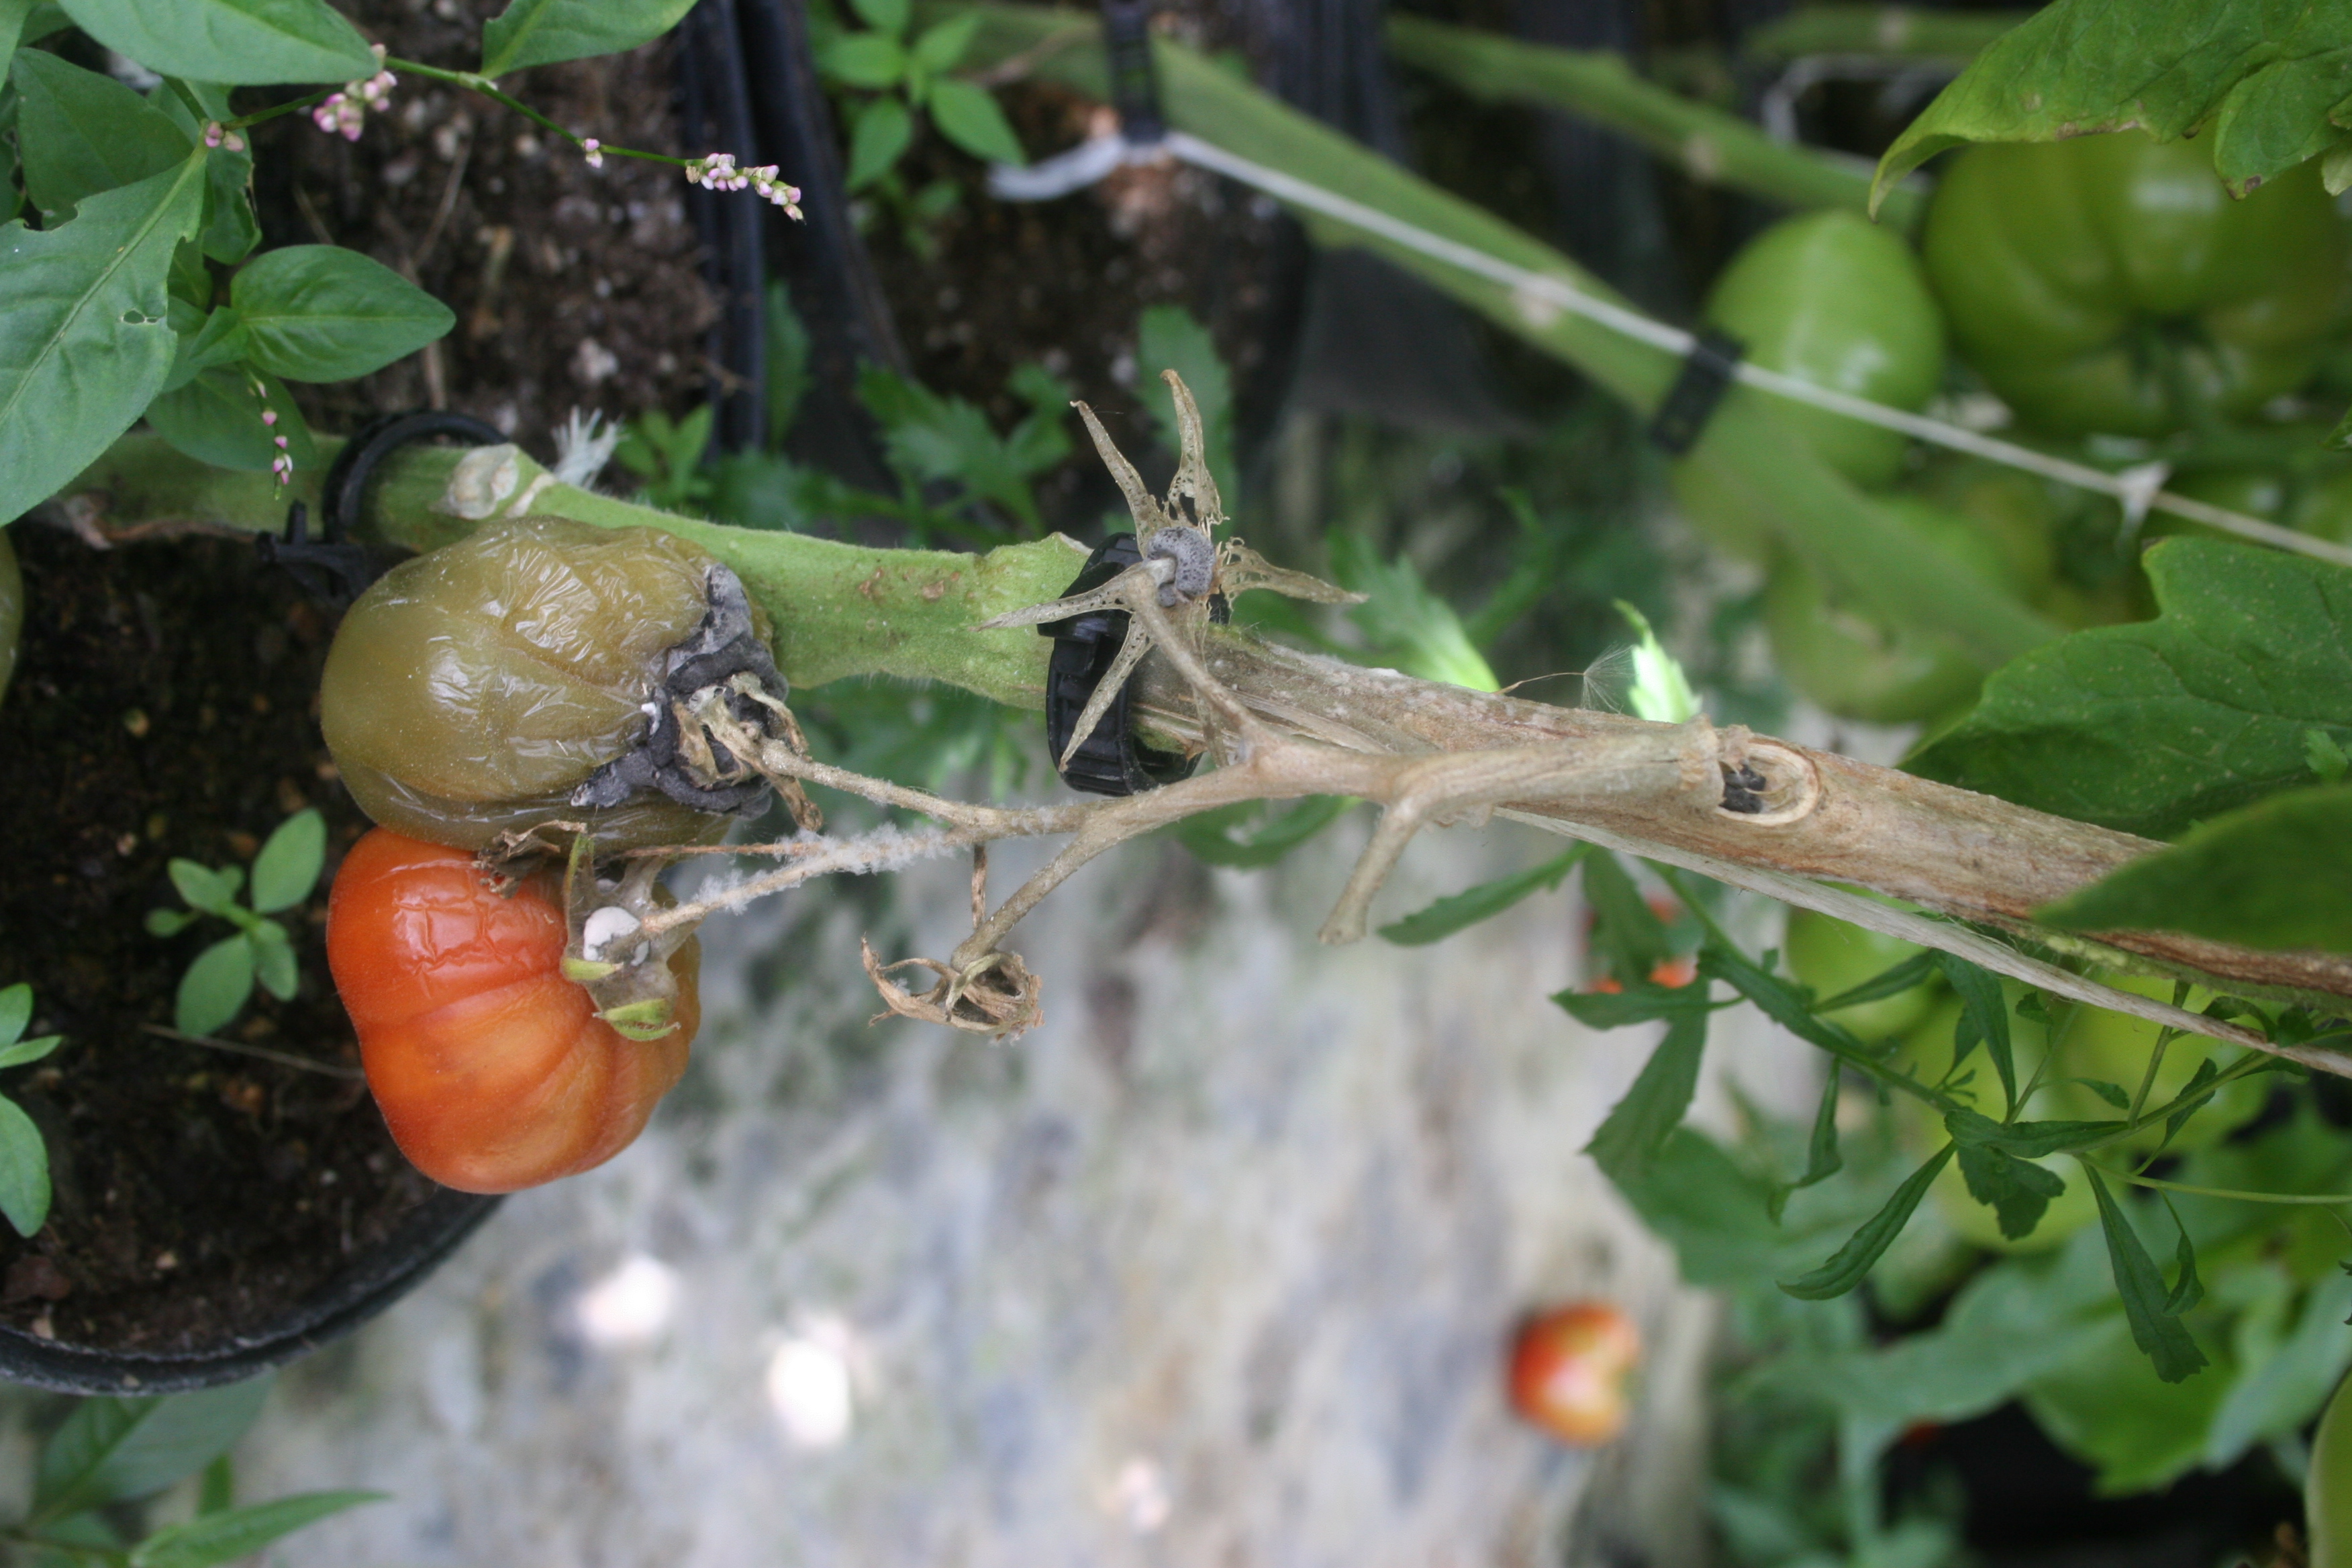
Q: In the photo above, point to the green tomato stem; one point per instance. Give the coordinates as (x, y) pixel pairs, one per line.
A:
(2312, 1199)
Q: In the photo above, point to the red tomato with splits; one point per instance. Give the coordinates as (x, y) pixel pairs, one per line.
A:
(492, 1069)
(1568, 1368)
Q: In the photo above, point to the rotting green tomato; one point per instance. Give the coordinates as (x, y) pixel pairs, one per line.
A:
(1831, 299)
(2110, 283)
(1857, 669)
(472, 690)
(1832, 956)
(11, 610)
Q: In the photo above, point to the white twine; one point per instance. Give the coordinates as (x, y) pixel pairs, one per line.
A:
(2132, 488)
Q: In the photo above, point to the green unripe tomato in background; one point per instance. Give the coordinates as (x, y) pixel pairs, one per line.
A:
(2327, 1486)
(2113, 1047)
(470, 690)
(11, 610)
(1834, 299)
(2111, 283)
(2319, 504)
(1832, 956)
(1852, 666)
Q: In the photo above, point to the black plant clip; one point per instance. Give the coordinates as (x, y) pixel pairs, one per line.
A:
(1112, 761)
(335, 567)
(1134, 83)
(1707, 374)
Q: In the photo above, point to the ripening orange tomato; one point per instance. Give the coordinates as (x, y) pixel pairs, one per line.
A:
(492, 1069)
(1568, 1368)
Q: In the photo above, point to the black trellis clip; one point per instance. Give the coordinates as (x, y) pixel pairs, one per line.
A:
(1707, 374)
(1112, 761)
(1134, 83)
(335, 567)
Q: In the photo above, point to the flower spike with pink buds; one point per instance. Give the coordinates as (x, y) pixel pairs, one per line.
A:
(718, 173)
(345, 112)
(594, 150)
(220, 136)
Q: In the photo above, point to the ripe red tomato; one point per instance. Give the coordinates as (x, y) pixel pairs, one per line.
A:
(1568, 1367)
(492, 1069)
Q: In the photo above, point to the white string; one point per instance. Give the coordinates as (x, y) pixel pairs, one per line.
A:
(2131, 488)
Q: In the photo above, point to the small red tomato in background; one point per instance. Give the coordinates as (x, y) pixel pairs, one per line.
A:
(1568, 1367)
(492, 1069)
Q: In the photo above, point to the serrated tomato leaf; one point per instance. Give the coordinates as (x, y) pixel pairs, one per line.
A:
(238, 42)
(2017, 1191)
(1780, 1000)
(2156, 1328)
(1984, 1014)
(86, 339)
(542, 32)
(2152, 726)
(2268, 81)
(113, 1450)
(2276, 874)
(1638, 1126)
(1849, 1265)
(235, 1533)
(2027, 1140)
(1460, 911)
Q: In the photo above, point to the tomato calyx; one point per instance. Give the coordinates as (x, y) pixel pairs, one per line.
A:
(617, 947)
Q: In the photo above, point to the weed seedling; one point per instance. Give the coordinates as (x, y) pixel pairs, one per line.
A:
(24, 1158)
(213, 990)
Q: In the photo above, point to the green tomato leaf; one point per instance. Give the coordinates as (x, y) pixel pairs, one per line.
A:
(967, 115)
(1849, 1265)
(2151, 726)
(288, 867)
(1252, 833)
(1625, 929)
(240, 1532)
(85, 341)
(81, 132)
(1636, 1129)
(213, 990)
(1169, 337)
(273, 961)
(1984, 1010)
(215, 419)
(2276, 874)
(542, 32)
(1403, 621)
(2026, 1140)
(203, 887)
(1822, 1159)
(1779, 1001)
(319, 312)
(2159, 1334)
(1460, 911)
(864, 60)
(1639, 1003)
(1893, 982)
(938, 48)
(883, 129)
(16, 1011)
(889, 16)
(246, 43)
(2017, 1191)
(24, 1170)
(2264, 79)
(112, 1450)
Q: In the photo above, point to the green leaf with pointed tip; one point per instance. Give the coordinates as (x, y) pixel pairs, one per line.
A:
(213, 990)
(13, 15)
(81, 133)
(1984, 1014)
(235, 1533)
(1846, 1268)
(1460, 911)
(2151, 726)
(2017, 1191)
(86, 339)
(319, 312)
(2154, 1328)
(248, 43)
(890, 17)
(287, 869)
(2027, 1140)
(864, 60)
(170, 922)
(542, 32)
(24, 1170)
(24, 1052)
(2266, 81)
(2276, 874)
(1638, 1126)
(15, 1010)
(273, 961)
(1625, 929)
(113, 1450)
(215, 419)
(967, 115)
(883, 130)
(938, 48)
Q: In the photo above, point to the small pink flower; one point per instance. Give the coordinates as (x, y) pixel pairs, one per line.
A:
(214, 132)
(281, 467)
(281, 443)
(787, 197)
(594, 150)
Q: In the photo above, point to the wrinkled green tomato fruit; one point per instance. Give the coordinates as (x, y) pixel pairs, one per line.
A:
(1831, 299)
(2111, 283)
(477, 689)
(11, 610)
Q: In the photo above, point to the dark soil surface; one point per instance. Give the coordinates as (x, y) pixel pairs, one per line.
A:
(164, 706)
(571, 286)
